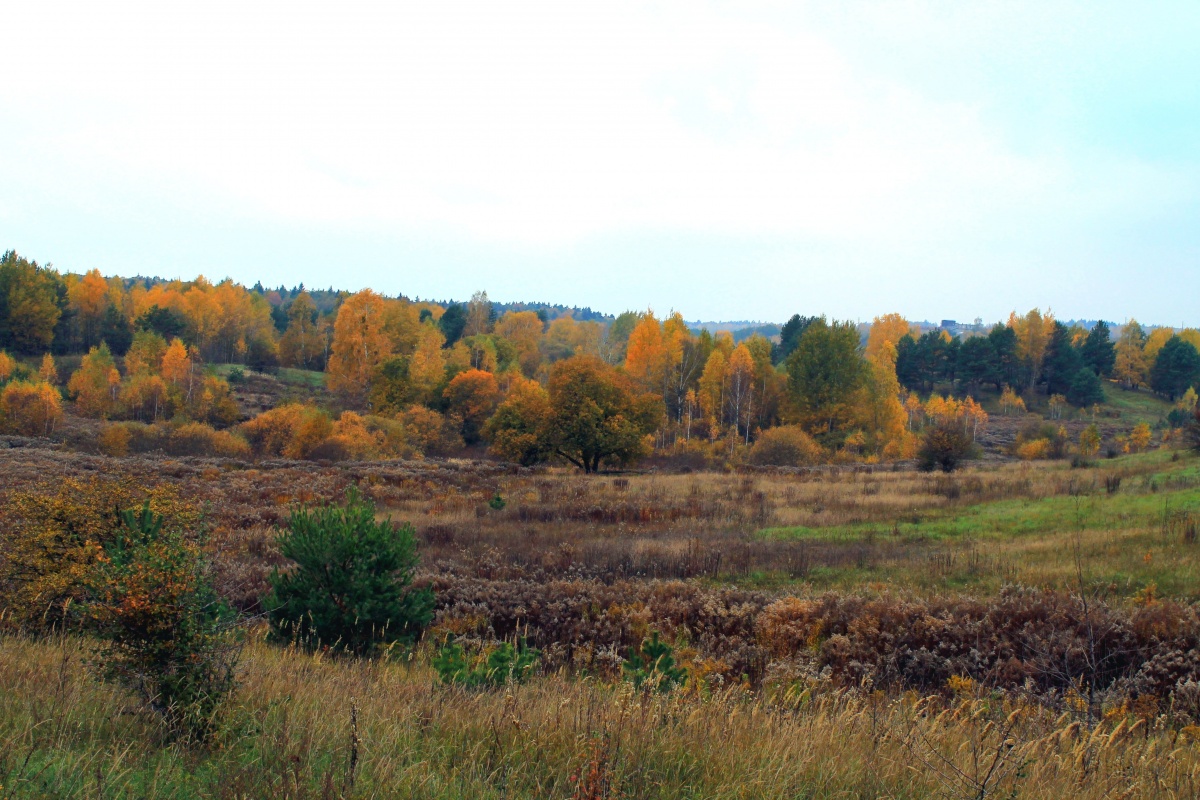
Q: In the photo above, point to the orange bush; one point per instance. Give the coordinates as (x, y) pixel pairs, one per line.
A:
(785, 446)
(114, 440)
(1034, 449)
(30, 409)
(291, 431)
(198, 439)
(53, 534)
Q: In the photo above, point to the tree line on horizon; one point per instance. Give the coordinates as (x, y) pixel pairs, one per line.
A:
(535, 388)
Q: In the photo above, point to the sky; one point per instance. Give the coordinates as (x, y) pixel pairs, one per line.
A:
(738, 160)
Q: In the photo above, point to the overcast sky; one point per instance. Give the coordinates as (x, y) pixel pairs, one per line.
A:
(728, 160)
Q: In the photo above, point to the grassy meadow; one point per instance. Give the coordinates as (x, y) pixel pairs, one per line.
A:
(849, 631)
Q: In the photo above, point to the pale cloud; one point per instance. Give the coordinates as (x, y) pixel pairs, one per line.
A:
(544, 126)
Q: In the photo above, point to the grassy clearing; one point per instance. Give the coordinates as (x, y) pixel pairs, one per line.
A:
(286, 375)
(289, 735)
(1139, 533)
(1135, 407)
(301, 377)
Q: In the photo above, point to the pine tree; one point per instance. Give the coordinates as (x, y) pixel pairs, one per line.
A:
(352, 585)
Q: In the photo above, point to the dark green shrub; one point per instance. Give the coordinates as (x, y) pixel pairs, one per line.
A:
(165, 635)
(943, 446)
(503, 664)
(653, 665)
(351, 586)
(497, 503)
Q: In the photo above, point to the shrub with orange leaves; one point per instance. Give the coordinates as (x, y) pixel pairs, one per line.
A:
(114, 440)
(428, 432)
(350, 439)
(786, 446)
(7, 366)
(1033, 449)
(52, 534)
(198, 439)
(30, 409)
(164, 633)
(291, 431)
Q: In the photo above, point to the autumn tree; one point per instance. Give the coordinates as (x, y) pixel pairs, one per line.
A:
(472, 395)
(47, 372)
(565, 338)
(596, 415)
(176, 367)
(479, 315)
(880, 413)
(711, 391)
(302, 344)
(427, 367)
(94, 385)
(359, 346)
(739, 390)
(89, 300)
(1033, 332)
(887, 329)
(824, 373)
(616, 340)
(646, 358)
(520, 429)
(146, 353)
(1155, 341)
(524, 330)
(8, 366)
(29, 304)
(1129, 364)
(30, 409)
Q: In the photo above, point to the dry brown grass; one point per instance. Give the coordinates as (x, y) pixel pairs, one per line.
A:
(290, 736)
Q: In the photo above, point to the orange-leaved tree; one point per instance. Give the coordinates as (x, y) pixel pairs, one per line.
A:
(518, 431)
(94, 385)
(360, 346)
(472, 395)
(596, 415)
(30, 409)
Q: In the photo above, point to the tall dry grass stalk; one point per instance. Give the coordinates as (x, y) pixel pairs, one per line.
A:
(286, 737)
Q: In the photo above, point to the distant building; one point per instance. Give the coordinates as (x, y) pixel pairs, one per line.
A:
(949, 323)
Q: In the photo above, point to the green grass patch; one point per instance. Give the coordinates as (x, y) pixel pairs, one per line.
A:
(1135, 407)
(1144, 501)
(309, 378)
(301, 377)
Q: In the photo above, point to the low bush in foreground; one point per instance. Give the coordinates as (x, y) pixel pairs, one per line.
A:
(165, 636)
